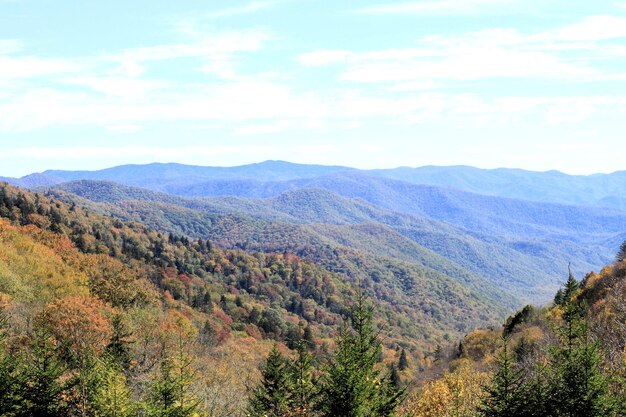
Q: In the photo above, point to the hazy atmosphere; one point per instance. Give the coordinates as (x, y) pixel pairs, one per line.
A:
(489, 83)
(299, 208)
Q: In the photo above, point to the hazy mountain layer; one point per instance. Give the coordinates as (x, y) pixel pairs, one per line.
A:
(523, 264)
(601, 190)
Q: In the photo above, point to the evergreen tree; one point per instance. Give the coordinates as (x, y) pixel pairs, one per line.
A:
(505, 395)
(119, 345)
(579, 387)
(113, 397)
(171, 392)
(308, 337)
(559, 298)
(9, 379)
(523, 349)
(41, 389)
(621, 253)
(571, 287)
(403, 362)
(302, 380)
(352, 387)
(395, 376)
(273, 397)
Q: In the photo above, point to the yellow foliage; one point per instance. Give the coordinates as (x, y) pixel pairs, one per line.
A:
(455, 394)
(480, 343)
(32, 271)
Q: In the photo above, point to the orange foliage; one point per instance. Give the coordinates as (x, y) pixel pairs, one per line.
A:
(82, 322)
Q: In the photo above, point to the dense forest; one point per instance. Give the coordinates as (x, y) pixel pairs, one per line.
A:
(104, 317)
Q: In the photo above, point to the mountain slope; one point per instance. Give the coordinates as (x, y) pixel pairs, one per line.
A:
(527, 267)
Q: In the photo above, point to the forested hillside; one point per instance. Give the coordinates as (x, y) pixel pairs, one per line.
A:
(568, 359)
(102, 316)
(78, 287)
(518, 246)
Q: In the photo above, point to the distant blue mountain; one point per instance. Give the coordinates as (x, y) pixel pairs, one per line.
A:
(156, 173)
(603, 190)
(268, 179)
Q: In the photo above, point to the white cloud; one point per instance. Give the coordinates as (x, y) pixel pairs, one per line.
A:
(217, 53)
(30, 67)
(118, 86)
(315, 149)
(155, 152)
(229, 103)
(253, 108)
(245, 9)
(568, 52)
(414, 86)
(433, 7)
(125, 99)
(594, 28)
(209, 45)
(325, 57)
(277, 126)
(8, 46)
(123, 128)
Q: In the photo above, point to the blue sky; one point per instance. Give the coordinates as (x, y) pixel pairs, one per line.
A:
(533, 84)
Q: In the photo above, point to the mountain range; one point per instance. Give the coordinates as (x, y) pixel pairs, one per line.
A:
(261, 179)
(366, 223)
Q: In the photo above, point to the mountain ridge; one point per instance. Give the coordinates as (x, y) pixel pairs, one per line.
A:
(600, 189)
(529, 259)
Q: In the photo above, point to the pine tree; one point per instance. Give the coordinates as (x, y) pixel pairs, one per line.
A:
(42, 391)
(171, 394)
(621, 253)
(273, 397)
(308, 337)
(579, 387)
(505, 394)
(403, 362)
(9, 379)
(571, 287)
(559, 298)
(113, 397)
(302, 382)
(395, 376)
(119, 345)
(351, 386)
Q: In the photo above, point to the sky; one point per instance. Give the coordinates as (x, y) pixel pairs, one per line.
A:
(533, 84)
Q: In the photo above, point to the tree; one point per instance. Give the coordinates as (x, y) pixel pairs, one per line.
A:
(308, 337)
(455, 394)
(559, 298)
(403, 362)
(302, 382)
(571, 287)
(9, 378)
(505, 395)
(621, 253)
(273, 397)
(171, 394)
(113, 399)
(579, 387)
(395, 376)
(120, 343)
(351, 386)
(42, 391)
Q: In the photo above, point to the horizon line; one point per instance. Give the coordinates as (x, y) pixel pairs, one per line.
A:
(318, 165)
